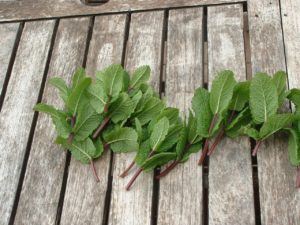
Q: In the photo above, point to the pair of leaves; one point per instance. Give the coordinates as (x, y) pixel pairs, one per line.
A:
(214, 104)
(266, 95)
(272, 125)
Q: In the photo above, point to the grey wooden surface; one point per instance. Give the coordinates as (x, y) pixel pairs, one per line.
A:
(17, 114)
(106, 48)
(34, 9)
(277, 190)
(143, 47)
(43, 197)
(231, 199)
(8, 34)
(180, 192)
(46, 161)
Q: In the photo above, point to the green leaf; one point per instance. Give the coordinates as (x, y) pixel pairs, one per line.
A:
(99, 148)
(251, 132)
(194, 148)
(87, 121)
(97, 96)
(203, 113)
(294, 148)
(59, 119)
(158, 160)
(240, 96)
(76, 95)
(275, 123)
(78, 77)
(151, 108)
(113, 78)
(84, 151)
(263, 98)
(294, 96)
(243, 118)
(182, 142)
(122, 108)
(280, 81)
(143, 153)
(139, 129)
(171, 138)
(50, 110)
(192, 134)
(159, 133)
(61, 85)
(141, 75)
(221, 92)
(122, 139)
(172, 114)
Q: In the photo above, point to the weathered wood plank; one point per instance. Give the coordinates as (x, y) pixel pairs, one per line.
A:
(178, 204)
(19, 10)
(8, 33)
(291, 31)
(144, 47)
(279, 199)
(17, 114)
(46, 161)
(83, 192)
(230, 171)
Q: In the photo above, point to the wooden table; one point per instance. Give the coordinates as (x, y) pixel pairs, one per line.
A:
(185, 42)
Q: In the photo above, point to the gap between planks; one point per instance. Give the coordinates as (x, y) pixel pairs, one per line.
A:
(18, 11)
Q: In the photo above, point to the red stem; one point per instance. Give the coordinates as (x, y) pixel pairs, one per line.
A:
(125, 173)
(137, 173)
(254, 152)
(206, 145)
(220, 135)
(133, 179)
(101, 127)
(216, 142)
(94, 171)
(298, 177)
(167, 170)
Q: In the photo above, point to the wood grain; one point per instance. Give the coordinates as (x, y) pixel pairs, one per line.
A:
(8, 33)
(85, 198)
(144, 47)
(46, 162)
(180, 197)
(19, 10)
(230, 171)
(279, 199)
(291, 29)
(17, 114)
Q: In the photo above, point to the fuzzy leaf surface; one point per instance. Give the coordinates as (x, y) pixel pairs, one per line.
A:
(97, 96)
(293, 147)
(143, 153)
(62, 87)
(141, 75)
(221, 92)
(159, 133)
(203, 113)
(159, 159)
(76, 94)
(122, 108)
(263, 98)
(240, 96)
(275, 123)
(280, 81)
(123, 139)
(87, 121)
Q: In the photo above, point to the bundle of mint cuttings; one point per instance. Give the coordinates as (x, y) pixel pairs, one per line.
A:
(121, 112)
